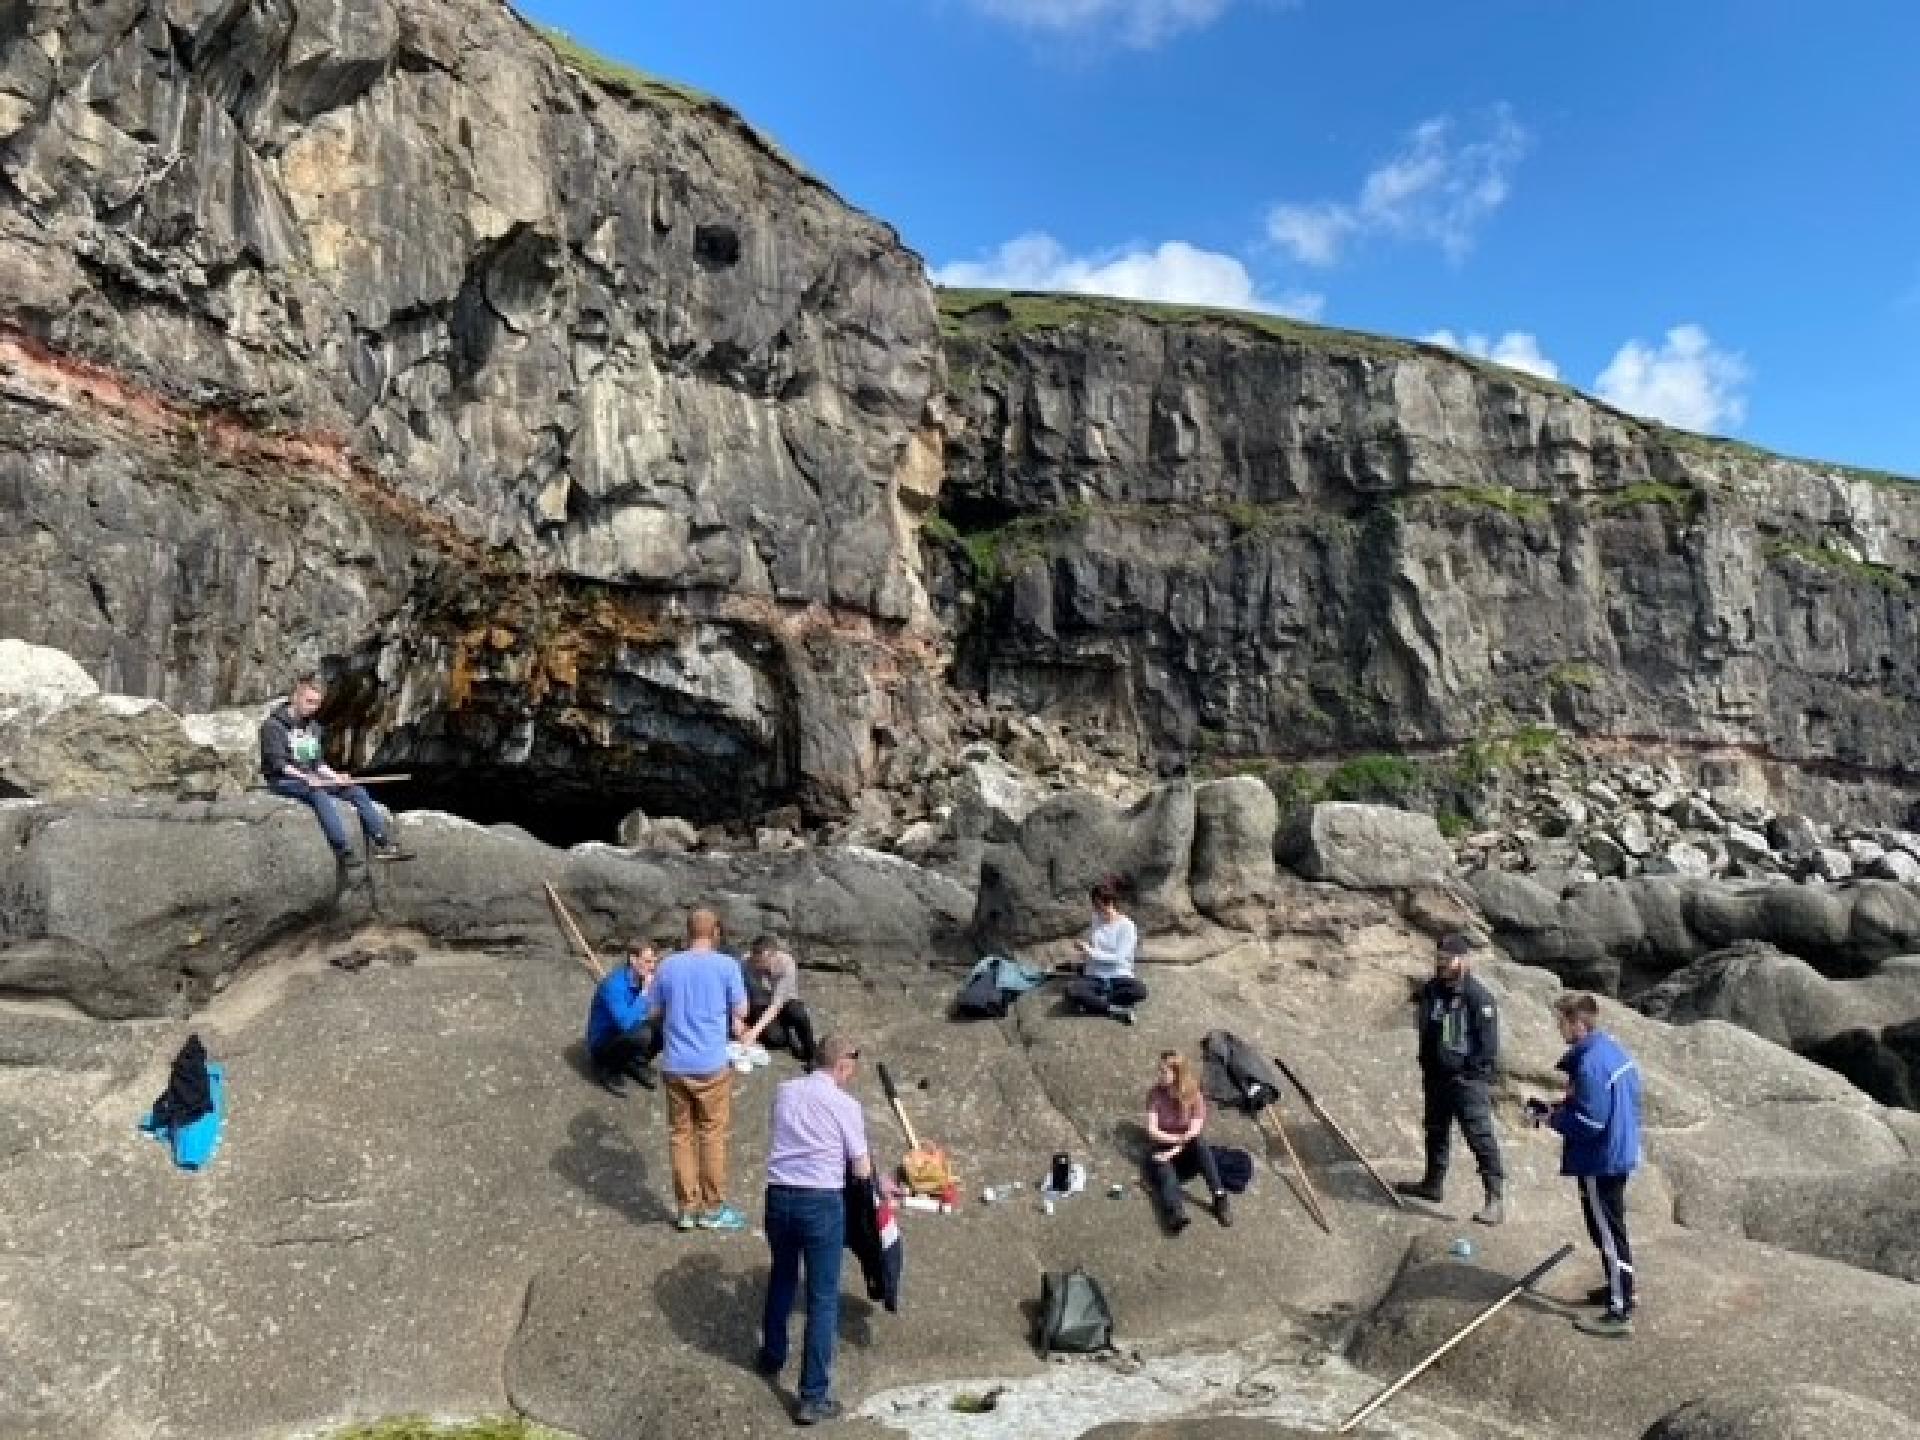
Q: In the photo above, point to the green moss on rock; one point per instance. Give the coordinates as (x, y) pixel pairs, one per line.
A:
(1838, 562)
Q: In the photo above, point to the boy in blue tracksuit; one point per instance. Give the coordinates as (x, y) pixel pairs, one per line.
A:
(1600, 1122)
(623, 1031)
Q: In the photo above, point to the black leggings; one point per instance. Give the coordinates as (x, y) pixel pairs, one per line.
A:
(1195, 1158)
(1103, 997)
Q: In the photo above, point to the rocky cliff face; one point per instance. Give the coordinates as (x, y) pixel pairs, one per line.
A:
(1244, 537)
(378, 336)
(587, 444)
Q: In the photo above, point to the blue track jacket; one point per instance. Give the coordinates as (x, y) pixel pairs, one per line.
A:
(620, 1007)
(1600, 1117)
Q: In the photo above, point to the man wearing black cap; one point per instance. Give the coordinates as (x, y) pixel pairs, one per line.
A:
(1459, 1047)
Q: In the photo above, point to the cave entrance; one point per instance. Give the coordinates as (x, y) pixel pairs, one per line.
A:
(556, 814)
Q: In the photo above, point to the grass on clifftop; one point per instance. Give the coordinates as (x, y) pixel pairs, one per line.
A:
(415, 1428)
(963, 311)
(620, 78)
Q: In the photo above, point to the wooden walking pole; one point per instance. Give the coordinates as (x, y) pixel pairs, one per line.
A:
(1307, 1197)
(587, 956)
(1526, 1282)
(1340, 1134)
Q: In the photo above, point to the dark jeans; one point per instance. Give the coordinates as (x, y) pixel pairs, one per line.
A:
(325, 803)
(1195, 1158)
(1102, 997)
(1449, 1098)
(627, 1054)
(792, 1028)
(804, 1227)
(1603, 1200)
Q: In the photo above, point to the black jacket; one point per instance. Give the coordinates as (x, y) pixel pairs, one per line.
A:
(1459, 1029)
(1234, 1073)
(189, 1092)
(277, 733)
(874, 1238)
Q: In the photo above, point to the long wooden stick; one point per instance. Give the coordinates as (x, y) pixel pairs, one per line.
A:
(899, 1110)
(345, 781)
(1344, 1138)
(587, 956)
(1307, 1196)
(1525, 1282)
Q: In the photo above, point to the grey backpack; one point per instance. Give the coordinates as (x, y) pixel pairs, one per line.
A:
(1074, 1318)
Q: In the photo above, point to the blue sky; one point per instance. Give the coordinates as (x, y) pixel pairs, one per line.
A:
(1705, 210)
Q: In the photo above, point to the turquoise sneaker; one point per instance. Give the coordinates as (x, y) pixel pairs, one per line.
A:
(725, 1218)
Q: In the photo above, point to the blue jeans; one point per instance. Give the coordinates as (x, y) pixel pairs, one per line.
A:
(809, 1226)
(327, 808)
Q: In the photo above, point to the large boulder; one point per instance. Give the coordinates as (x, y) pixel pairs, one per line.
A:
(1034, 888)
(131, 908)
(1634, 932)
(1233, 877)
(1782, 998)
(61, 739)
(1785, 1412)
(1366, 847)
(138, 908)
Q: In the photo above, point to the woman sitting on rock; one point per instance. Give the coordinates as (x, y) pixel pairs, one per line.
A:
(1106, 985)
(1176, 1114)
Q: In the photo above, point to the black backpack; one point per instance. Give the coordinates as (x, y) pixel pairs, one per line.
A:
(1074, 1318)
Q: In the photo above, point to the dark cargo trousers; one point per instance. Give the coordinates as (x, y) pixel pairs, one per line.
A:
(1458, 1098)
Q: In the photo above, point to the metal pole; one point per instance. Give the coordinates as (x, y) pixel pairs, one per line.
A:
(1472, 1325)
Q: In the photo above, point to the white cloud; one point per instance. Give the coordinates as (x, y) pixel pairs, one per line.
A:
(1440, 188)
(1686, 381)
(1516, 349)
(1174, 272)
(1139, 23)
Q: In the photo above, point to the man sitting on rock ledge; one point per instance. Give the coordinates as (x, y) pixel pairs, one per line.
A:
(291, 761)
(1459, 1048)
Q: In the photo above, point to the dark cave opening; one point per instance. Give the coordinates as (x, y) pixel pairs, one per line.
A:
(556, 814)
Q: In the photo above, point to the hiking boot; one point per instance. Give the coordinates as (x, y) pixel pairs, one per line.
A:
(1429, 1187)
(390, 849)
(817, 1412)
(1494, 1212)
(1222, 1210)
(1613, 1325)
(725, 1218)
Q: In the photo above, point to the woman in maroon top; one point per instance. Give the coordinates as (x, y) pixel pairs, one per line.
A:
(1176, 1114)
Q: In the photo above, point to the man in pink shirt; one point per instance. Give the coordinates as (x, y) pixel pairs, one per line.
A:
(819, 1137)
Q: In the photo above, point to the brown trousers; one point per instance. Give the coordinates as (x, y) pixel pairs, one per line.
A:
(699, 1117)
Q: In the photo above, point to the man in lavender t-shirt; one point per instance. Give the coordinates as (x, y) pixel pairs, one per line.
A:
(819, 1137)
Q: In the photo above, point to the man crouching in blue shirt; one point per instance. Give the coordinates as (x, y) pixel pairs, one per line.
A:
(623, 1030)
(1600, 1122)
